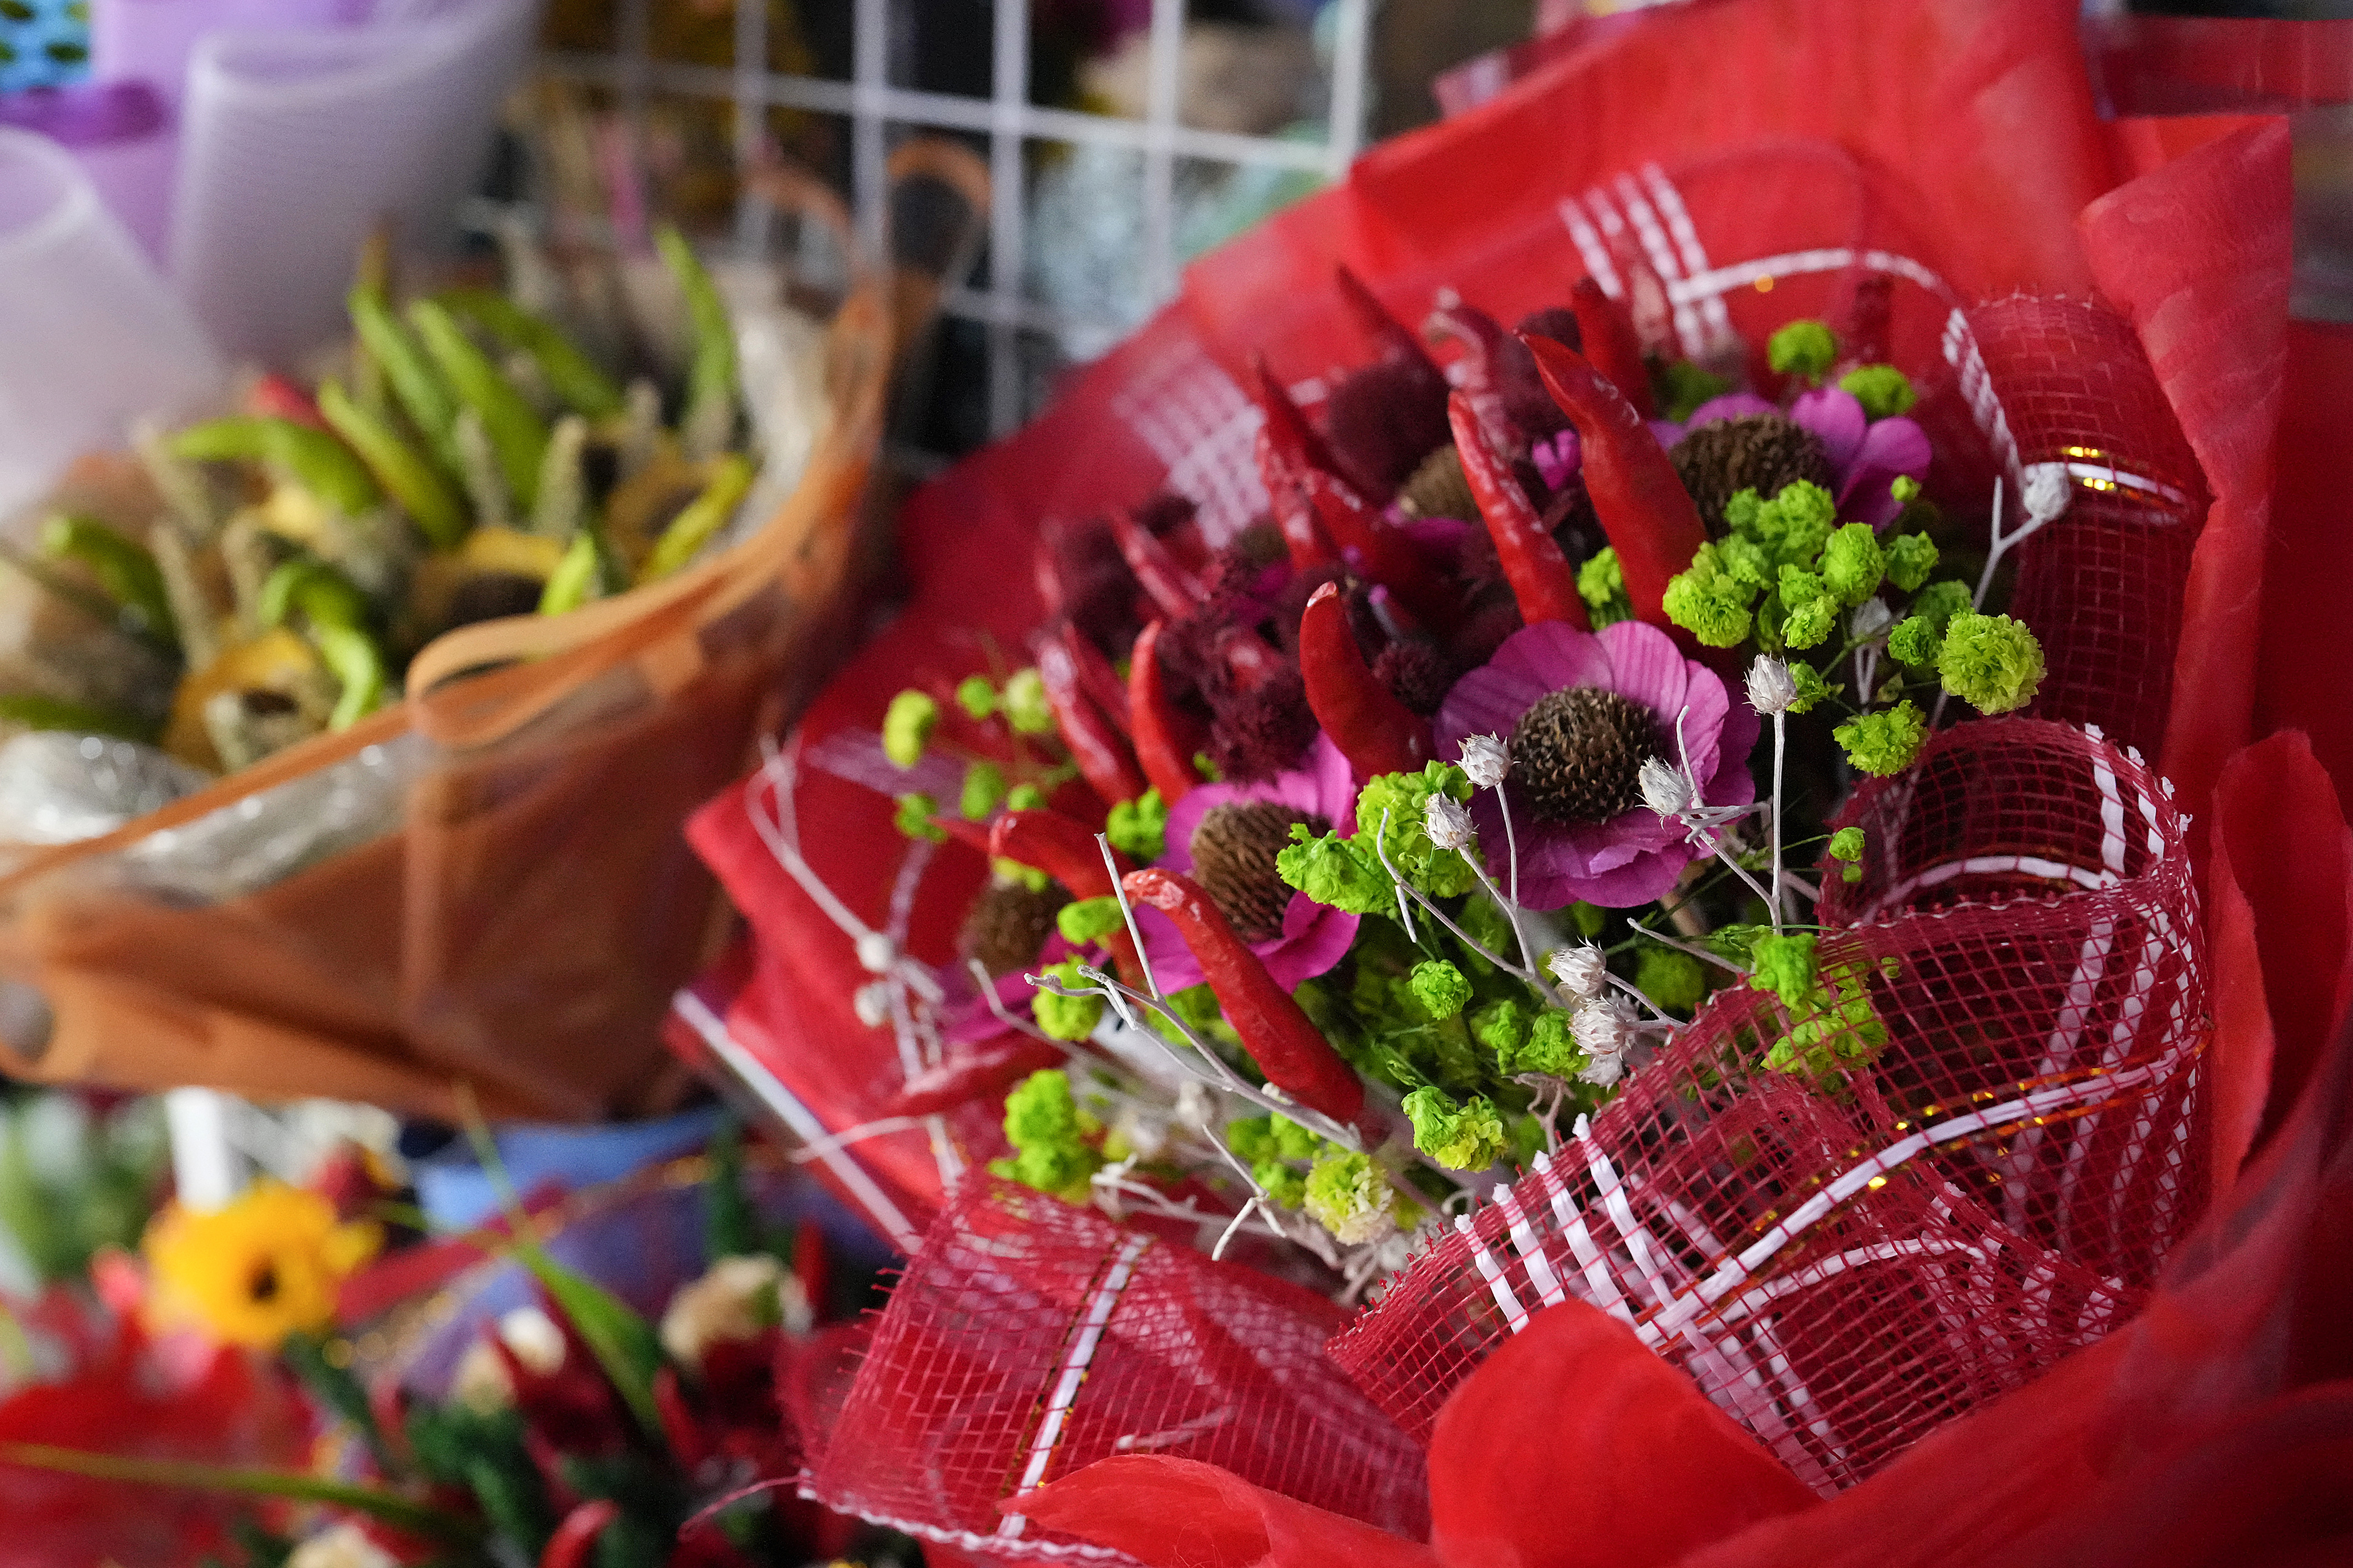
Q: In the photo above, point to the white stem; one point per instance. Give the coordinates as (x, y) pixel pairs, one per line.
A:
(1663, 938)
(1408, 890)
(1510, 848)
(1781, 746)
(1119, 892)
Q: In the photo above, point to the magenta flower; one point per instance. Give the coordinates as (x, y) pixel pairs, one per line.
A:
(1234, 861)
(1867, 456)
(1581, 712)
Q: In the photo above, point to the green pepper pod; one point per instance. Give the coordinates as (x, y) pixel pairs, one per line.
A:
(575, 579)
(352, 657)
(517, 433)
(705, 515)
(324, 595)
(312, 458)
(575, 378)
(31, 710)
(123, 567)
(411, 477)
(711, 382)
(423, 395)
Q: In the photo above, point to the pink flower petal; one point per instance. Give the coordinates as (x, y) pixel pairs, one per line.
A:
(1646, 665)
(1892, 448)
(1731, 405)
(1314, 937)
(1555, 654)
(1837, 417)
(1666, 433)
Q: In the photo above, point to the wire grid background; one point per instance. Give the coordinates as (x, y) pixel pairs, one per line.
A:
(878, 109)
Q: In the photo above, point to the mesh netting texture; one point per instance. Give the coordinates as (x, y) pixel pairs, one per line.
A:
(2102, 584)
(1847, 1255)
(1029, 1339)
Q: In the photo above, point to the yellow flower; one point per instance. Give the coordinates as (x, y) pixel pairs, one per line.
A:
(267, 1265)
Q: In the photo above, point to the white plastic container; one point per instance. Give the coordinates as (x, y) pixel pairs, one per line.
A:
(91, 338)
(295, 144)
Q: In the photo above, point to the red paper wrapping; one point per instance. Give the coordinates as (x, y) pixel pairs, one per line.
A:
(2059, 284)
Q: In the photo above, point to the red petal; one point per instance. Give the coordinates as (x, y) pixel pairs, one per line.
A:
(1181, 1514)
(1575, 1444)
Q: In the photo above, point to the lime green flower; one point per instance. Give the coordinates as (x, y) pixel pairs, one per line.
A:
(1467, 1137)
(1882, 389)
(1885, 741)
(1068, 1017)
(907, 727)
(1441, 987)
(1991, 662)
(1801, 348)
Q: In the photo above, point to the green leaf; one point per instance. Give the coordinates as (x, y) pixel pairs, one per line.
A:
(625, 1346)
(293, 1485)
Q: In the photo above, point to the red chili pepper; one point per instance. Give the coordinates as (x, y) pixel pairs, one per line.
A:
(1097, 676)
(1295, 440)
(1484, 343)
(575, 1538)
(1303, 535)
(679, 1428)
(1541, 577)
(1611, 344)
(1176, 591)
(1290, 1051)
(1062, 847)
(1864, 340)
(1185, 543)
(1377, 733)
(1380, 551)
(1096, 745)
(1395, 340)
(977, 1072)
(1167, 739)
(1641, 505)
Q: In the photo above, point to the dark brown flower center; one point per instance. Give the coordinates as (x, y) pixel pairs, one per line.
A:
(1578, 753)
(263, 1286)
(1760, 452)
(1233, 859)
(1437, 487)
(1008, 925)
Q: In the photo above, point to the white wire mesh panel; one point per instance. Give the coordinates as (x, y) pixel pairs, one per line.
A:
(1146, 164)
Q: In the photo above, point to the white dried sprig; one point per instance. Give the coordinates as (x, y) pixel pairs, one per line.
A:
(1581, 969)
(1485, 760)
(1446, 822)
(1771, 688)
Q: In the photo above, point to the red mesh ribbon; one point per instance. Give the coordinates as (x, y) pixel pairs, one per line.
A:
(2066, 388)
(1843, 1263)
(1029, 1339)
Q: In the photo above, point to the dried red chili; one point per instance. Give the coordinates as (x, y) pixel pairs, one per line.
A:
(1064, 848)
(1642, 505)
(1611, 344)
(1381, 552)
(1096, 745)
(1290, 1051)
(1166, 738)
(1377, 733)
(1173, 589)
(1541, 577)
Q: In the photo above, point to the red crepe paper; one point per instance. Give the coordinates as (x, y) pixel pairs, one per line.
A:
(2197, 255)
(1955, 135)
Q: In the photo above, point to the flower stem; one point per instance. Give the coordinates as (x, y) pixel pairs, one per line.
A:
(1780, 747)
